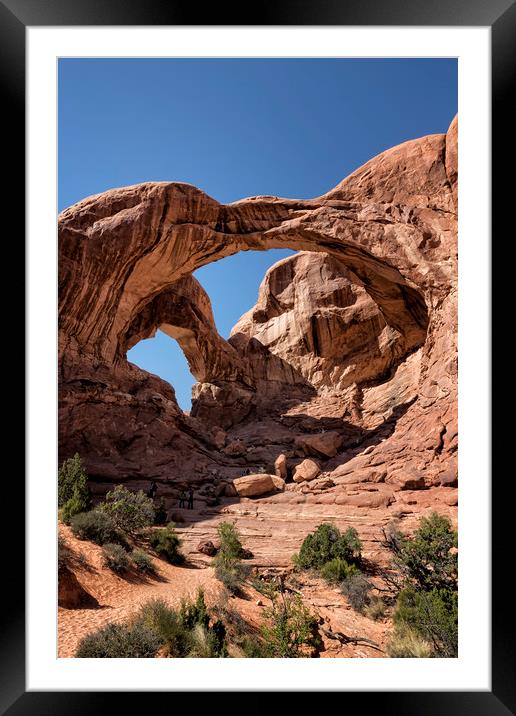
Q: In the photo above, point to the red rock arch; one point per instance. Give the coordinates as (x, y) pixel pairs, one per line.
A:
(392, 222)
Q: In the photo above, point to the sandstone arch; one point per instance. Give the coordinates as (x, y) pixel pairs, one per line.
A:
(126, 255)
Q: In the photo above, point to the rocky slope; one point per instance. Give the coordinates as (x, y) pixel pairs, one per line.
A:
(356, 336)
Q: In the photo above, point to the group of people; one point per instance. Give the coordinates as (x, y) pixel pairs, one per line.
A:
(184, 499)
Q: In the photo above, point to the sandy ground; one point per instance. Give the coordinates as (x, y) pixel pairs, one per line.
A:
(120, 597)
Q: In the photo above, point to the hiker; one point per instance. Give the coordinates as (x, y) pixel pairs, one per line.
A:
(182, 498)
(190, 498)
(152, 490)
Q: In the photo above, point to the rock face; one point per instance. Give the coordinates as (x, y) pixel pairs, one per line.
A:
(356, 335)
(319, 326)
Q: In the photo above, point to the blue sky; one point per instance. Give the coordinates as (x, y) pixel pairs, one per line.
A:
(237, 128)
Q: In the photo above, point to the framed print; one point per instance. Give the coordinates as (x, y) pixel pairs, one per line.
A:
(303, 206)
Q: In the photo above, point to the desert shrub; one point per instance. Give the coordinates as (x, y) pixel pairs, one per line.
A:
(160, 513)
(254, 648)
(166, 623)
(142, 561)
(375, 609)
(427, 560)
(186, 633)
(357, 590)
(405, 643)
(95, 526)
(120, 641)
(73, 492)
(115, 557)
(208, 643)
(166, 543)
(433, 616)
(427, 603)
(291, 628)
(70, 475)
(327, 543)
(131, 511)
(230, 545)
(192, 613)
(337, 570)
(231, 573)
(228, 567)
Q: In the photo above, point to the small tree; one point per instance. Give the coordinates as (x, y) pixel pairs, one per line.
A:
(291, 627)
(166, 543)
(433, 616)
(72, 488)
(131, 511)
(228, 567)
(428, 560)
(328, 543)
(230, 545)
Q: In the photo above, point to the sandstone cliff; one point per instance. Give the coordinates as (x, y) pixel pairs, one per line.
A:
(356, 334)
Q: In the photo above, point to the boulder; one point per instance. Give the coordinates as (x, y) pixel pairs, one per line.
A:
(306, 471)
(326, 444)
(280, 466)
(254, 485)
(279, 483)
(207, 547)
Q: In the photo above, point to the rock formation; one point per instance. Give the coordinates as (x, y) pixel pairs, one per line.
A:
(355, 336)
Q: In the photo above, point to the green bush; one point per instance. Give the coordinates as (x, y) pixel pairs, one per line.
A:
(433, 616)
(120, 641)
(327, 543)
(337, 570)
(427, 560)
(357, 590)
(208, 643)
(291, 628)
(231, 573)
(95, 526)
(115, 557)
(166, 543)
(186, 633)
(228, 568)
(192, 613)
(73, 492)
(166, 623)
(131, 511)
(404, 643)
(70, 475)
(142, 561)
(230, 544)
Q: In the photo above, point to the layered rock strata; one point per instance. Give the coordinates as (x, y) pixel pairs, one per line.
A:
(358, 340)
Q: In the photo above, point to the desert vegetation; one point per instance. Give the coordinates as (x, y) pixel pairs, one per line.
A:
(190, 632)
(425, 576)
(416, 594)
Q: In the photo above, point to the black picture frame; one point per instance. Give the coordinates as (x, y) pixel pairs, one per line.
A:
(500, 16)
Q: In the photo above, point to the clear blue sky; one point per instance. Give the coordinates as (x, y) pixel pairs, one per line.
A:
(237, 128)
